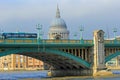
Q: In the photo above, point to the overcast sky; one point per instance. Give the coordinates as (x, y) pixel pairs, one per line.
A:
(23, 15)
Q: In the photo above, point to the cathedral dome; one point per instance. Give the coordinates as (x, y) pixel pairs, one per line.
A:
(58, 23)
(58, 28)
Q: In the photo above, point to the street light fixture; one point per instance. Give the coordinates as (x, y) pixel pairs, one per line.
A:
(75, 35)
(1, 31)
(114, 31)
(81, 32)
(39, 28)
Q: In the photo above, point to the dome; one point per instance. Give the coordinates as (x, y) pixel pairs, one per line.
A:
(58, 23)
(58, 28)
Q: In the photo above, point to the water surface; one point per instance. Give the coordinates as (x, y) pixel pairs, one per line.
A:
(42, 75)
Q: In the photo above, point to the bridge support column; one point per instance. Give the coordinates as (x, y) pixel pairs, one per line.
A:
(99, 54)
(59, 73)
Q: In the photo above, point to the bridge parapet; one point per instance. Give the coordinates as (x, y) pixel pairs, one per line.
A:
(26, 40)
(15, 41)
(112, 43)
(115, 41)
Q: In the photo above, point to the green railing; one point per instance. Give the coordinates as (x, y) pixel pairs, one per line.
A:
(27, 40)
(15, 41)
(53, 41)
(115, 41)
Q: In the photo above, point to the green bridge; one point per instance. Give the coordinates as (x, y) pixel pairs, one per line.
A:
(73, 57)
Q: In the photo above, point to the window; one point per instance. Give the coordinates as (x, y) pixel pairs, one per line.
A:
(16, 60)
(30, 58)
(21, 60)
(21, 56)
(21, 65)
(16, 65)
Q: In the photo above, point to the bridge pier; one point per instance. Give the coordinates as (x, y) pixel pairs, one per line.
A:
(98, 66)
(61, 73)
(98, 61)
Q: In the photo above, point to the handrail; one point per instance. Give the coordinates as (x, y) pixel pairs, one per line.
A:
(62, 41)
(15, 41)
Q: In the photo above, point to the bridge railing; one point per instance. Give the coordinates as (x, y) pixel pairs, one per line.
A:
(24, 41)
(115, 41)
(69, 41)
(7, 41)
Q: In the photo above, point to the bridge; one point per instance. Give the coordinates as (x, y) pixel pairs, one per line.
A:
(69, 57)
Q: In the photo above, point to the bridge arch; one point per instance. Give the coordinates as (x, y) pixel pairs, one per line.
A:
(46, 56)
(108, 58)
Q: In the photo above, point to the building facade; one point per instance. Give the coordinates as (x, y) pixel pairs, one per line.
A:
(20, 62)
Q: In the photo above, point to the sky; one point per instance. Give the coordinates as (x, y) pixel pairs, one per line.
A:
(24, 15)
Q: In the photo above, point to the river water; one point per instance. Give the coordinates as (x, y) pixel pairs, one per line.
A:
(42, 75)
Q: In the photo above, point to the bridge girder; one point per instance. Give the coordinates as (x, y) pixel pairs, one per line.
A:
(108, 58)
(48, 55)
(59, 62)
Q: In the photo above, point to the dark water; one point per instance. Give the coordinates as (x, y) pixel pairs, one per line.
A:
(42, 75)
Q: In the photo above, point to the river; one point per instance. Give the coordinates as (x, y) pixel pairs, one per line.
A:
(42, 75)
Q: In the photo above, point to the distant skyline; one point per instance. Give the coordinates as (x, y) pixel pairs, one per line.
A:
(23, 15)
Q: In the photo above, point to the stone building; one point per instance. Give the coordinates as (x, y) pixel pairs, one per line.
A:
(58, 28)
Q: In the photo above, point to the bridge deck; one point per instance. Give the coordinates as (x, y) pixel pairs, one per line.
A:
(47, 43)
(58, 43)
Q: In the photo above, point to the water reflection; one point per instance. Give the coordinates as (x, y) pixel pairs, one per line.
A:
(22, 75)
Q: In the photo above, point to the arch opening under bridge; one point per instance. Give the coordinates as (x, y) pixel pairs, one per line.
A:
(58, 59)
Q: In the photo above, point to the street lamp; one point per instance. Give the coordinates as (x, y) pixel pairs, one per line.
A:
(39, 28)
(81, 32)
(1, 31)
(114, 31)
(75, 35)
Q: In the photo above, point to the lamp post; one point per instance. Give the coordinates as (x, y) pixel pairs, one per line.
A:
(81, 32)
(114, 31)
(75, 35)
(1, 31)
(39, 28)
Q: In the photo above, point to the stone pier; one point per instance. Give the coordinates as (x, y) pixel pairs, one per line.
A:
(61, 73)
